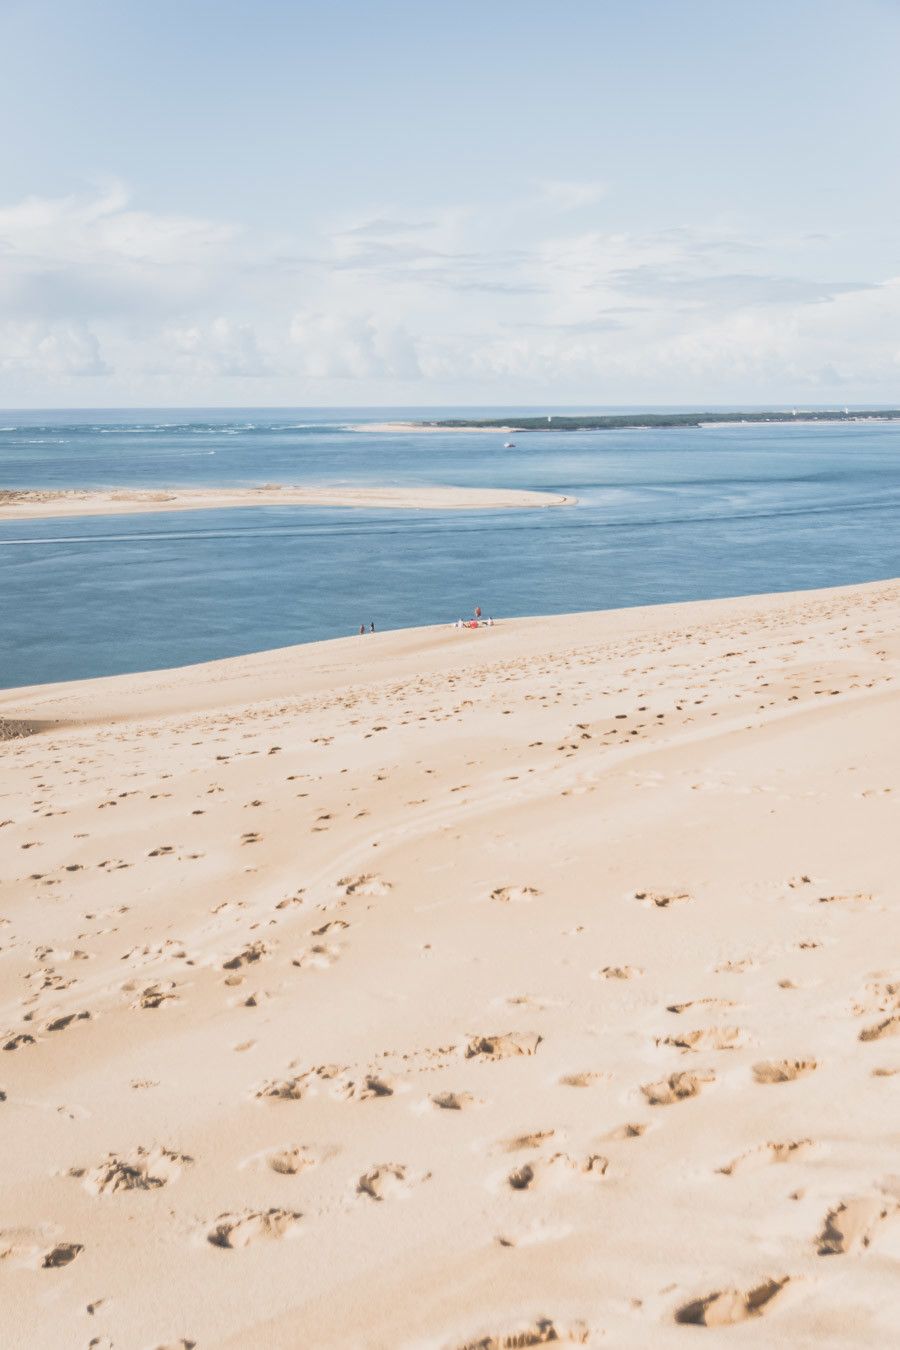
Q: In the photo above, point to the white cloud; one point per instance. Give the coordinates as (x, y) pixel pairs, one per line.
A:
(73, 230)
(221, 347)
(516, 301)
(352, 347)
(66, 349)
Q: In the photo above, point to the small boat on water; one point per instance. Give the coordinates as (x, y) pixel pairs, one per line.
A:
(509, 445)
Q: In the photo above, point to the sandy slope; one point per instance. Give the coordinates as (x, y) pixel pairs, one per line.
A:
(539, 982)
(41, 505)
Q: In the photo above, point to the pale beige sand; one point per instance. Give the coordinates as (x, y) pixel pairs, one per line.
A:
(462, 989)
(41, 505)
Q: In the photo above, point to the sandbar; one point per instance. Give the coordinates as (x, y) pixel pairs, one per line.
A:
(25, 504)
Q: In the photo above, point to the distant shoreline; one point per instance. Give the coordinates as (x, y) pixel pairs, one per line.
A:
(26, 504)
(628, 421)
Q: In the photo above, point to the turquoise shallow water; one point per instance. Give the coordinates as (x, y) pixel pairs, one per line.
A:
(663, 515)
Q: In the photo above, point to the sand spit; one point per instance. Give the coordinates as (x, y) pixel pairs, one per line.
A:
(562, 422)
(507, 987)
(40, 505)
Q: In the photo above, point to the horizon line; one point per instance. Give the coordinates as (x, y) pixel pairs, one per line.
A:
(424, 407)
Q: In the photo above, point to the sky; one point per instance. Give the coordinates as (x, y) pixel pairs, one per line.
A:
(484, 202)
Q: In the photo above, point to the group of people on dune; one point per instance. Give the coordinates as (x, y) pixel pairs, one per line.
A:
(477, 622)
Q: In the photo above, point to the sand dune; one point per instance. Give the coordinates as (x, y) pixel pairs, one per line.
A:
(535, 984)
(40, 505)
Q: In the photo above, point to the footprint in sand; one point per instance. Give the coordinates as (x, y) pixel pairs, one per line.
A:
(514, 894)
(156, 951)
(318, 957)
(520, 1142)
(880, 995)
(284, 1089)
(890, 1026)
(155, 995)
(389, 1181)
(253, 952)
(851, 1226)
(289, 1162)
(677, 1087)
(290, 900)
(705, 1038)
(253, 1000)
(537, 1001)
(242, 1230)
(60, 1023)
(16, 1041)
(333, 927)
(61, 1255)
(710, 1003)
(729, 1306)
(506, 1046)
(542, 1332)
(590, 1078)
(557, 1170)
(791, 1150)
(366, 884)
(662, 899)
(630, 1130)
(736, 967)
(334, 1078)
(374, 1085)
(453, 1101)
(56, 954)
(617, 973)
(783, 1070)
(141, 1170)
(26, 1247)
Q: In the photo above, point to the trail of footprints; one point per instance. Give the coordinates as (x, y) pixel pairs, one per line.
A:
(848, 1227)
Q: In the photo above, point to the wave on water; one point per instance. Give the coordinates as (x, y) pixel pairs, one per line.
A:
(38, 433)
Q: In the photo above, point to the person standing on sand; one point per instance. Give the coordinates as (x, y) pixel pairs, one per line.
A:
(362, 629)
(477, 611)
(372, 626)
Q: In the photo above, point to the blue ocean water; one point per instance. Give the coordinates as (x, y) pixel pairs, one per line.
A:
(663, 515)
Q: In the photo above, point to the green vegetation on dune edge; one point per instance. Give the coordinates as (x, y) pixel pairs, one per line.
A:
(618, 421)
